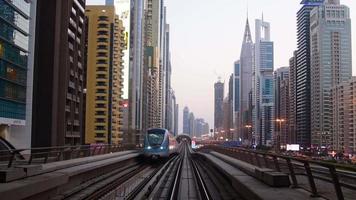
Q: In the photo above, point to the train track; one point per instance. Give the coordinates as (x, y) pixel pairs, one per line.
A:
(183, 176)
(100, 185)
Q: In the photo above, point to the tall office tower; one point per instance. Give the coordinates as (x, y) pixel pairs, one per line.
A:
(191, 125)
(226, 131)
(263, 85)
(173, 114)
(293, 99)
(344, 116)
(199, 125)
(106, 43)
(169, 110)
(331, 64)
(186, 120)
(237, 100)
(218, 105)
(168, 77)
(281, 107)
(136, 83)
(303, 72)
(165, 67)
(152, 109)
(245, 85)
(230, 98)
(58, 73)
(17, 31)
(176, 119)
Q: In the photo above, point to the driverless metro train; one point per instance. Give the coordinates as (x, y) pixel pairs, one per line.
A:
(159, 143)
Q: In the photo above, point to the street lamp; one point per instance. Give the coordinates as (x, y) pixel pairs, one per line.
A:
(278, 146)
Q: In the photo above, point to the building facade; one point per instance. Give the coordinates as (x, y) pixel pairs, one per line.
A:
(262, 126)
(282, 135)
(186, 120)
(106, 43)
(344, 112)
(17, 31)
(218, 105)
(292, 119)
(136, 82)
(192, 125)
(331, 64)
(243, 74)
(303, 75)
(58, 108)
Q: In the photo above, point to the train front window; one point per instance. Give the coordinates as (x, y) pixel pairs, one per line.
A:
(155, 137)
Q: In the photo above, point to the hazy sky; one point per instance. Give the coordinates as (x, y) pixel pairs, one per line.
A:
(206, 38)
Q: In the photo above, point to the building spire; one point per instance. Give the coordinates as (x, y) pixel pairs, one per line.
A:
(247, 34)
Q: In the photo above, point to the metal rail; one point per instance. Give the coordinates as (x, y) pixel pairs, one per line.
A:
(54, 154)
(204, 194)
(175, 187)
(275, 161)
(158, 173)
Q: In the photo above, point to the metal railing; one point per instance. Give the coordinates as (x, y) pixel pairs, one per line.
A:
(11, 157)
(296, 166)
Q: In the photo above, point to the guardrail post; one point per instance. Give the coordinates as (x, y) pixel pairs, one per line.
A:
(292, 173)
(250, 157)
(276, 164)
(266, 161)
(59, 155)
(311, 179)
(46, 157)
(257, 160)
(30, 160)
(11, 159)
(336, 182)
(94, 150)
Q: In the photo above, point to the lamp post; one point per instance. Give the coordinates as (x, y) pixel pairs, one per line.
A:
(278, 146)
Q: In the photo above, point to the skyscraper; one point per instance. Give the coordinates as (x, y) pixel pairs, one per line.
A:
(344, 116)
(192, 125)
(17, 31)
(218, 104)
(186, 120)
(303, 72)
(136, 82)
(292, 98)
(281, 107)
(106, 43)
(176, 119)
(243, 84)
(59, 75)
(331, 64)
(263, 85)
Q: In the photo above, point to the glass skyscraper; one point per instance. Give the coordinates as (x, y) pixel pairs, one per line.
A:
(302, 87)
(14, 39)
(331, 64)
(262, 95)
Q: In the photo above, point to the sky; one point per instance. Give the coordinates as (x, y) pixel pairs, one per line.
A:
(206, 38)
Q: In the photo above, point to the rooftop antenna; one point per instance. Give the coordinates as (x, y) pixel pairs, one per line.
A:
(247, 9)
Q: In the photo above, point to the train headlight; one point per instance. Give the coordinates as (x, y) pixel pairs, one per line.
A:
(149, 147)
(161, 147)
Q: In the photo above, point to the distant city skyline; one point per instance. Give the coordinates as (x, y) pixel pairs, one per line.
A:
(206, 38)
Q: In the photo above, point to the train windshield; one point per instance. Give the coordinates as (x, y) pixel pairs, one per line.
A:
(155, 137)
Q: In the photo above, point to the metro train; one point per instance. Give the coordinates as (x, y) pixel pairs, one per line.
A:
(159, 143)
